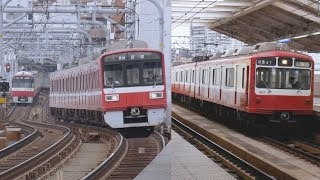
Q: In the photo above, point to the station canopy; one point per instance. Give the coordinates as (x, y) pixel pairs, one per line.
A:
(253, 21)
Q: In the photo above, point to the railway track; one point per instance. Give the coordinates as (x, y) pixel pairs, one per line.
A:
(34, 157)
(298, 148)
(129, 157)
(309, 146)
(34, 160)
(218, 154)
(30, 133)
(137, 154)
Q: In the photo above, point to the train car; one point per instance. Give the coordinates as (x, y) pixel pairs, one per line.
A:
(25, 86)
(121, 89)
(260, 87)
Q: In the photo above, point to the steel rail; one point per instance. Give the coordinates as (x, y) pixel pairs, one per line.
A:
(297, 152)
(239, 162)
(41, 157)
(107, 165)
(33, 134)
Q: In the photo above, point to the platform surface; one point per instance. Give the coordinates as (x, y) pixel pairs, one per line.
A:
(181, 160)
(88, 158)
(298, 168)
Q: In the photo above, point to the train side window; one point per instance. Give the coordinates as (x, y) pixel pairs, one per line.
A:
(177, 76)
(92, 81)
(86, 83)
(192, 76)
(59, 85)
(79, 88)
(214, 76)
(229, 77)
(187, 76)
(243, 75)
(78, 83)
(197, 77)
(66, 85)
(82, 82)
(218, 77)
(204, 76)
(51, 85)
(181, 76)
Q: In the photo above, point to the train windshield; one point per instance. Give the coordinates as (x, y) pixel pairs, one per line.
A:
(132, 69)
(152, 73)
(23, 82)
(283, 78)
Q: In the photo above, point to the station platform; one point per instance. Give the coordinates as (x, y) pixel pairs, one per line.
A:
(316, 104)
(292, 166)
(181, 160)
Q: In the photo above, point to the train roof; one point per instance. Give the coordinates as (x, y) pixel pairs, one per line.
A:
(130, 50)
(26, 73)
(81, 69)
(255, 55)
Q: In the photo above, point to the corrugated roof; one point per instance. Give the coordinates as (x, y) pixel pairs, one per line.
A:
(256, 20)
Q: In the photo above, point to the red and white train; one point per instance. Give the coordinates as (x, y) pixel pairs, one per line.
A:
(25, 86)
(121, 89)
(265, 86)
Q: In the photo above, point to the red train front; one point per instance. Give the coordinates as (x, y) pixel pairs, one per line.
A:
(267, 86)
(122, 89)
(133, 88)
(24, 87)
(283, 85)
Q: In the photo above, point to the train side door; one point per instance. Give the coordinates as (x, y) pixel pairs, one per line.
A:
(183, 80)
(189, 80)
(240, 84)
(193, 83)
(221, 82)
(199, 81)
(209, 74)
(247, 86)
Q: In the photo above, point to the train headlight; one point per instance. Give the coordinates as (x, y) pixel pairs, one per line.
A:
(156, 95)
(284, 62)
(112, 97)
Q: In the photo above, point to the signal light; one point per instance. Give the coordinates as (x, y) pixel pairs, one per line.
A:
(7, 67)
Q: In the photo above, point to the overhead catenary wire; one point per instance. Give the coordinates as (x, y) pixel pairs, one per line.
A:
(195, 14)
(188, 12)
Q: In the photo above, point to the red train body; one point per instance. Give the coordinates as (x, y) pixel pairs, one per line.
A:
(262, 87)
(114, 89)
(25, 86)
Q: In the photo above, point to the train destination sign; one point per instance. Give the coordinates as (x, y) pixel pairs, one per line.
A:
(266, 62)
(132, 56)
(302, 63)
